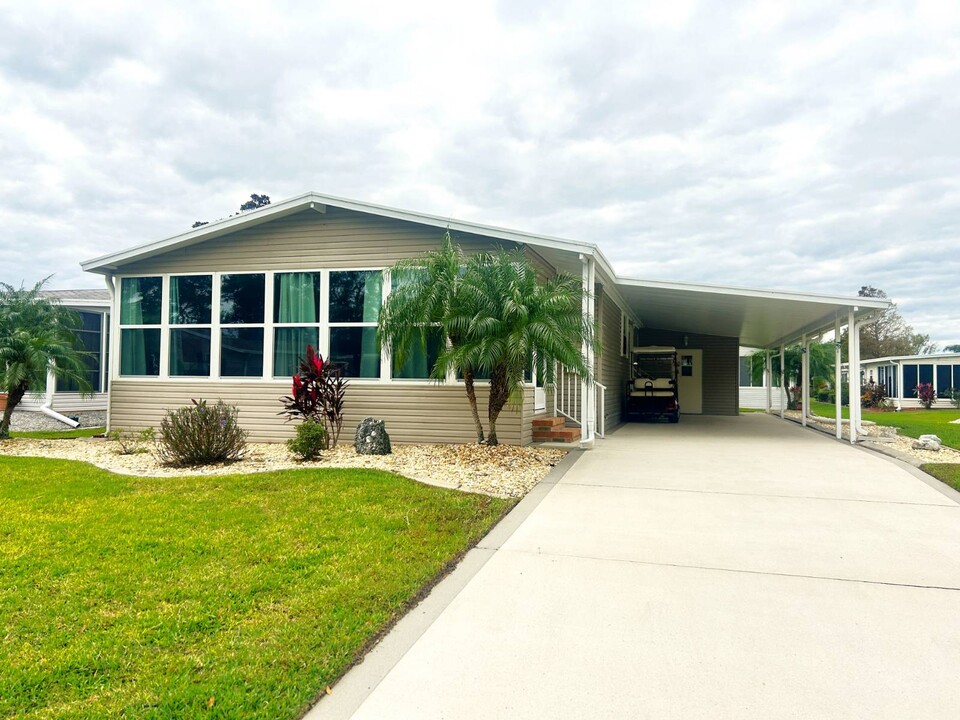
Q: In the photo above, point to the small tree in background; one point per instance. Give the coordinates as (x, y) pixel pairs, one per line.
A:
(317, 396)
(255, 201)
(37, 334)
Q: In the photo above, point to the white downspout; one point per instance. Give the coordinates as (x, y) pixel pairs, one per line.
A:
(108, 358)
(46, 408)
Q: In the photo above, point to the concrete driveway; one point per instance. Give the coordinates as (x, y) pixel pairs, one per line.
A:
(719, 568)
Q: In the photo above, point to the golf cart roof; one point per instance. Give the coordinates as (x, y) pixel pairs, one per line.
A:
(654, 349)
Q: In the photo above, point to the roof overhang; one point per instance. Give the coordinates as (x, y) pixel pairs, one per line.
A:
(107, 264)
(760, 318)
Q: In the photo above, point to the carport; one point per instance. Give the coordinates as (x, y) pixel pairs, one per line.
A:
(687, 314)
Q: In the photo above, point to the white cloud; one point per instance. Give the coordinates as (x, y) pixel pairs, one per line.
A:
(807, 145)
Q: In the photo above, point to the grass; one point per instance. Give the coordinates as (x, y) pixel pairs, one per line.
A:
(221, 596)
(911, 423)
(828, 410)
(751, 410)
(948, 473)
(59, 434)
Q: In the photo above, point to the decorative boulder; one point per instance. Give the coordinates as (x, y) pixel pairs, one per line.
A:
(372, 438)
(927, 442)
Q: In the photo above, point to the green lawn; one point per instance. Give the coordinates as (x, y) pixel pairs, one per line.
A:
(828, 410)
(911, 423)
(945, 472)
(60, 434)
(223, 596)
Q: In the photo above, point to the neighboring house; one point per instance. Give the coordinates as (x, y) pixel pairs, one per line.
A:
(753, 393)
(901, 374)
(224, 310)
(61, 397)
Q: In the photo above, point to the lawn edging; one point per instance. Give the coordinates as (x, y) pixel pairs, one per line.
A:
(385, 650)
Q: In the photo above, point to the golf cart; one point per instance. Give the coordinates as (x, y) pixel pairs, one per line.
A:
(651, 391)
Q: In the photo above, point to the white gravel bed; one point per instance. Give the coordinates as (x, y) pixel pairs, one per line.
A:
(886, 435)
(501, 471)
(29, 421)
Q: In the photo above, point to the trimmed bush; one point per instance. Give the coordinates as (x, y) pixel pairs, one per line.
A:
(200, 434)
(310, 442)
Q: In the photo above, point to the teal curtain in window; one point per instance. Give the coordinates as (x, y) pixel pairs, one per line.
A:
(297, 301)
(131, 311)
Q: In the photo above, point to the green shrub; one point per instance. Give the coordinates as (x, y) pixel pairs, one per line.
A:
(311, 440)
(199, 434)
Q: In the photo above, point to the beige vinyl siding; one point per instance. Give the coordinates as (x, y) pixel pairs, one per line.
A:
(613, 367)
(721, 366)
(414, 413)
(307, 240)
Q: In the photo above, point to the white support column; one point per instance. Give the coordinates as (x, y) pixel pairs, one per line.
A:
(783, 383)
(853, 373)
(837, 382)
(587, 389)
(804, 379)
(768, 379)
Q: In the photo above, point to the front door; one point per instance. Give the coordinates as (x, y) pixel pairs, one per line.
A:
(690, 387)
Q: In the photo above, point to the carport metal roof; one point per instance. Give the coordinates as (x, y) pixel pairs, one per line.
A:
(760, 318)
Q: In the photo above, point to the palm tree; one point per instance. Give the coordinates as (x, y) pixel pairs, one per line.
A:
(36, 335)
(516, 324)
(821, 365)
(427, 296)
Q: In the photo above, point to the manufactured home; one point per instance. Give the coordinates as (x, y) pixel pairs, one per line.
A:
(225, 310)
(901, 374)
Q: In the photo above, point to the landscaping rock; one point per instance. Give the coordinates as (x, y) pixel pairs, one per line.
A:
(372, 438)
(927, 442)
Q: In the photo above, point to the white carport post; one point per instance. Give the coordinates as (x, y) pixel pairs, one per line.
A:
(783, 384)
(837, 382)
(768, 377)
(804, 379)
(588, 395)
(853, 373)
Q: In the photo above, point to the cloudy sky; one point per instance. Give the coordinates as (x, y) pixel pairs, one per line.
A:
(813, 148)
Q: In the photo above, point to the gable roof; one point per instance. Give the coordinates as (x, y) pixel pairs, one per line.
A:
(760, 318)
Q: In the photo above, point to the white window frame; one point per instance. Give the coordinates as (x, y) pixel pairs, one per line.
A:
(115, 339)
(386, 361)
(216, 370)
(171, 326)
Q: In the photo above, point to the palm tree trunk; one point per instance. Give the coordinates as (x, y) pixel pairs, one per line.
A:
(499, 394)
(472, 396)
(13, 399)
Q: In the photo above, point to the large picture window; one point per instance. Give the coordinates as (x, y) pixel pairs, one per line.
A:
(296, 315)
(242, 314)
(90, 334)
(257, 325)
(140, 314)
(355, 300)
(190, 300)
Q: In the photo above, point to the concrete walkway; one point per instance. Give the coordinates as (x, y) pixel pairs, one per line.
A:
(719, 568)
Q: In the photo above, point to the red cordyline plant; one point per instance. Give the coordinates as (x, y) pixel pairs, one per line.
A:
(317, 395)
(926, 394)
